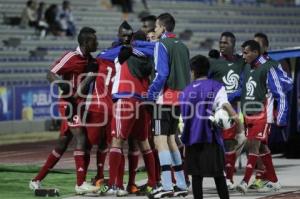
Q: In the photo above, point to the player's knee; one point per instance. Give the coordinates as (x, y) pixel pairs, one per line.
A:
(117, 142)
(144, 145)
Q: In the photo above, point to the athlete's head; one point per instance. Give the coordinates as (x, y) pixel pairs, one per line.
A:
(251, 50)
(66, 4)
(227, 43)
(87, 40)
(148, 23)
(125, 33)
(164, 23)
(199, 66)
(151, 36)
(139, 35)
(263, 41)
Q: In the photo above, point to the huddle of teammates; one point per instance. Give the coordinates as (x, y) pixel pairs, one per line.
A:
(137, 90)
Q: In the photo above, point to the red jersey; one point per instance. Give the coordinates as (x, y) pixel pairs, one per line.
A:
(101, 99)
(126, 85)
(70, 66)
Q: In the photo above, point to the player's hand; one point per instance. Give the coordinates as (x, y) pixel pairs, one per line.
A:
(64, 87)
(71, 108)
(151, 98)
(124, 54)
(92, 66)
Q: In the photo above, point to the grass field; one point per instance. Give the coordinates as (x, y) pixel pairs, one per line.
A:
(27, 137)
(14, 181)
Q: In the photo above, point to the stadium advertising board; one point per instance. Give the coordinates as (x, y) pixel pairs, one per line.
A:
(32, 103)
(6, 103)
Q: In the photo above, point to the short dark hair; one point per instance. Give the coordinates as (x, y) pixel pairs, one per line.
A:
(151, 30)
(151, 18)
(264, 37)
(85, 34)
(125, 25)
(167, 20)
(229, 34)
(252, 44)
(199, 65)
(139, 35)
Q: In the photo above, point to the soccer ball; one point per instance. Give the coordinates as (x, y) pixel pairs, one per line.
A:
(222, 119)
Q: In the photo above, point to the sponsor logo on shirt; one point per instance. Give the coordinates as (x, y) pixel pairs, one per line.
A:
(250, 86)
(231, 81)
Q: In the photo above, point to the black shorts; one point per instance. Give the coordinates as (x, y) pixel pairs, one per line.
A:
(165, 119)
(205, 159)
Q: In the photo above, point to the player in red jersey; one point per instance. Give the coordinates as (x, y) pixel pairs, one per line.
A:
(130, 117)
(66, 72)
(99, 107)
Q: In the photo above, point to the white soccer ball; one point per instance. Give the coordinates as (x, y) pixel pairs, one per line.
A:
(222, 119)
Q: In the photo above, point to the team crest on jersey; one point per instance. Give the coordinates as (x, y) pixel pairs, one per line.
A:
(231, 81)
(250, 86)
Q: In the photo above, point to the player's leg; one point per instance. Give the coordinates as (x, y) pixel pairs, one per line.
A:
(96, 133)
(165, 161)
(260, 171)
(87, 154)
(120, 191)
(122, 123)
(181, 187)
(230, 158)
(53, 158)
(253, 149)
(197, 186)
(256, 132)
(164, 126)
(101, 154)
(133, 158)
(149, 112)
(141, 132)
(181, 150)
(272, 183)
(221, 186)
(115, 157)
(82, 187)
(156, 159)
(63, 141)
(149, 160)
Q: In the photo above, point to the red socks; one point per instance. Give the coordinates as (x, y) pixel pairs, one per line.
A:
(52, 159)
(150, 167)
(230, 164)
(121, 170)
(157, 166)
(133, 160)
(87, 159)
(115, 156)
(79, 157)
(101, 156)
(270, 171)
(250, 166)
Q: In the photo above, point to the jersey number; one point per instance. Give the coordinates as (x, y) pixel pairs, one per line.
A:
(109, 72)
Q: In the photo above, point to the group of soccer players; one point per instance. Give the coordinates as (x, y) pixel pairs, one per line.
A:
(136, 91)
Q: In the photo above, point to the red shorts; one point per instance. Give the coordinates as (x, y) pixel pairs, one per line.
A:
(130, 119)
(65, 124)
(257, 128)
(98, 127)
(229, 134)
